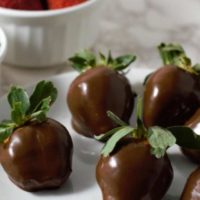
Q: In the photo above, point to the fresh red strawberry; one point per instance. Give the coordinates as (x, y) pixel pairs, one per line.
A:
(44, 4)
(22, 4)
(56, 4)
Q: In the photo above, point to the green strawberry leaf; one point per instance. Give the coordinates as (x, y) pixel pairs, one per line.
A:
(7, 123)
(43, 89)
(45, 104)
(44, 107)
(196, 68)
(116, 119)
(5, 132)
(83, 60)
(160, 139)
(40, 116)
(17, 94)
(109, 60)
(122, 62)
(6, 129)
(111, 143)
(174, 54)
(17, 114)
(102, 57)
(185, 137)
(24, 109)
(105, 136)
(170, 52)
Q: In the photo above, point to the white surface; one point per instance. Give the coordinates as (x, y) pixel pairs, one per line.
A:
(48, 38)
(82, 183)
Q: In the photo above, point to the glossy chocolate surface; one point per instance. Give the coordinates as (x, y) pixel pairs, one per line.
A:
(95, 92)
(192, 187)
(131, 173)
(38, 156)
(193, 123)
(171, 97)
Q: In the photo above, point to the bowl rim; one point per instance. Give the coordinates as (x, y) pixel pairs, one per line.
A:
(3, 44)
(45, 13)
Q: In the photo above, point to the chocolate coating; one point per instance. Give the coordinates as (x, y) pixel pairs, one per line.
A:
(131, 172)
(194, 124)
(38, 155)
(171, 97)
(192, 187)
(95, 92)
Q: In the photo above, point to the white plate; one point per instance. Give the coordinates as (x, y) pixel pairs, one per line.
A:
(82, 183)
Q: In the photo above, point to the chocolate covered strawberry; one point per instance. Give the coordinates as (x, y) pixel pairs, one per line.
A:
(194, 124)
(35, 151)
(101, 86)
(172, 93)
(56, 4)
(134, 163)
(192, 187)
(21, 4)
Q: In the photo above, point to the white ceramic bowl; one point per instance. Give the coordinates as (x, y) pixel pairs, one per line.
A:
(48, 38)
(3, 45)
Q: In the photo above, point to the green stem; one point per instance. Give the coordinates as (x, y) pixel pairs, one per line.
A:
(170, 53)
(141, 130)
(174, 54)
